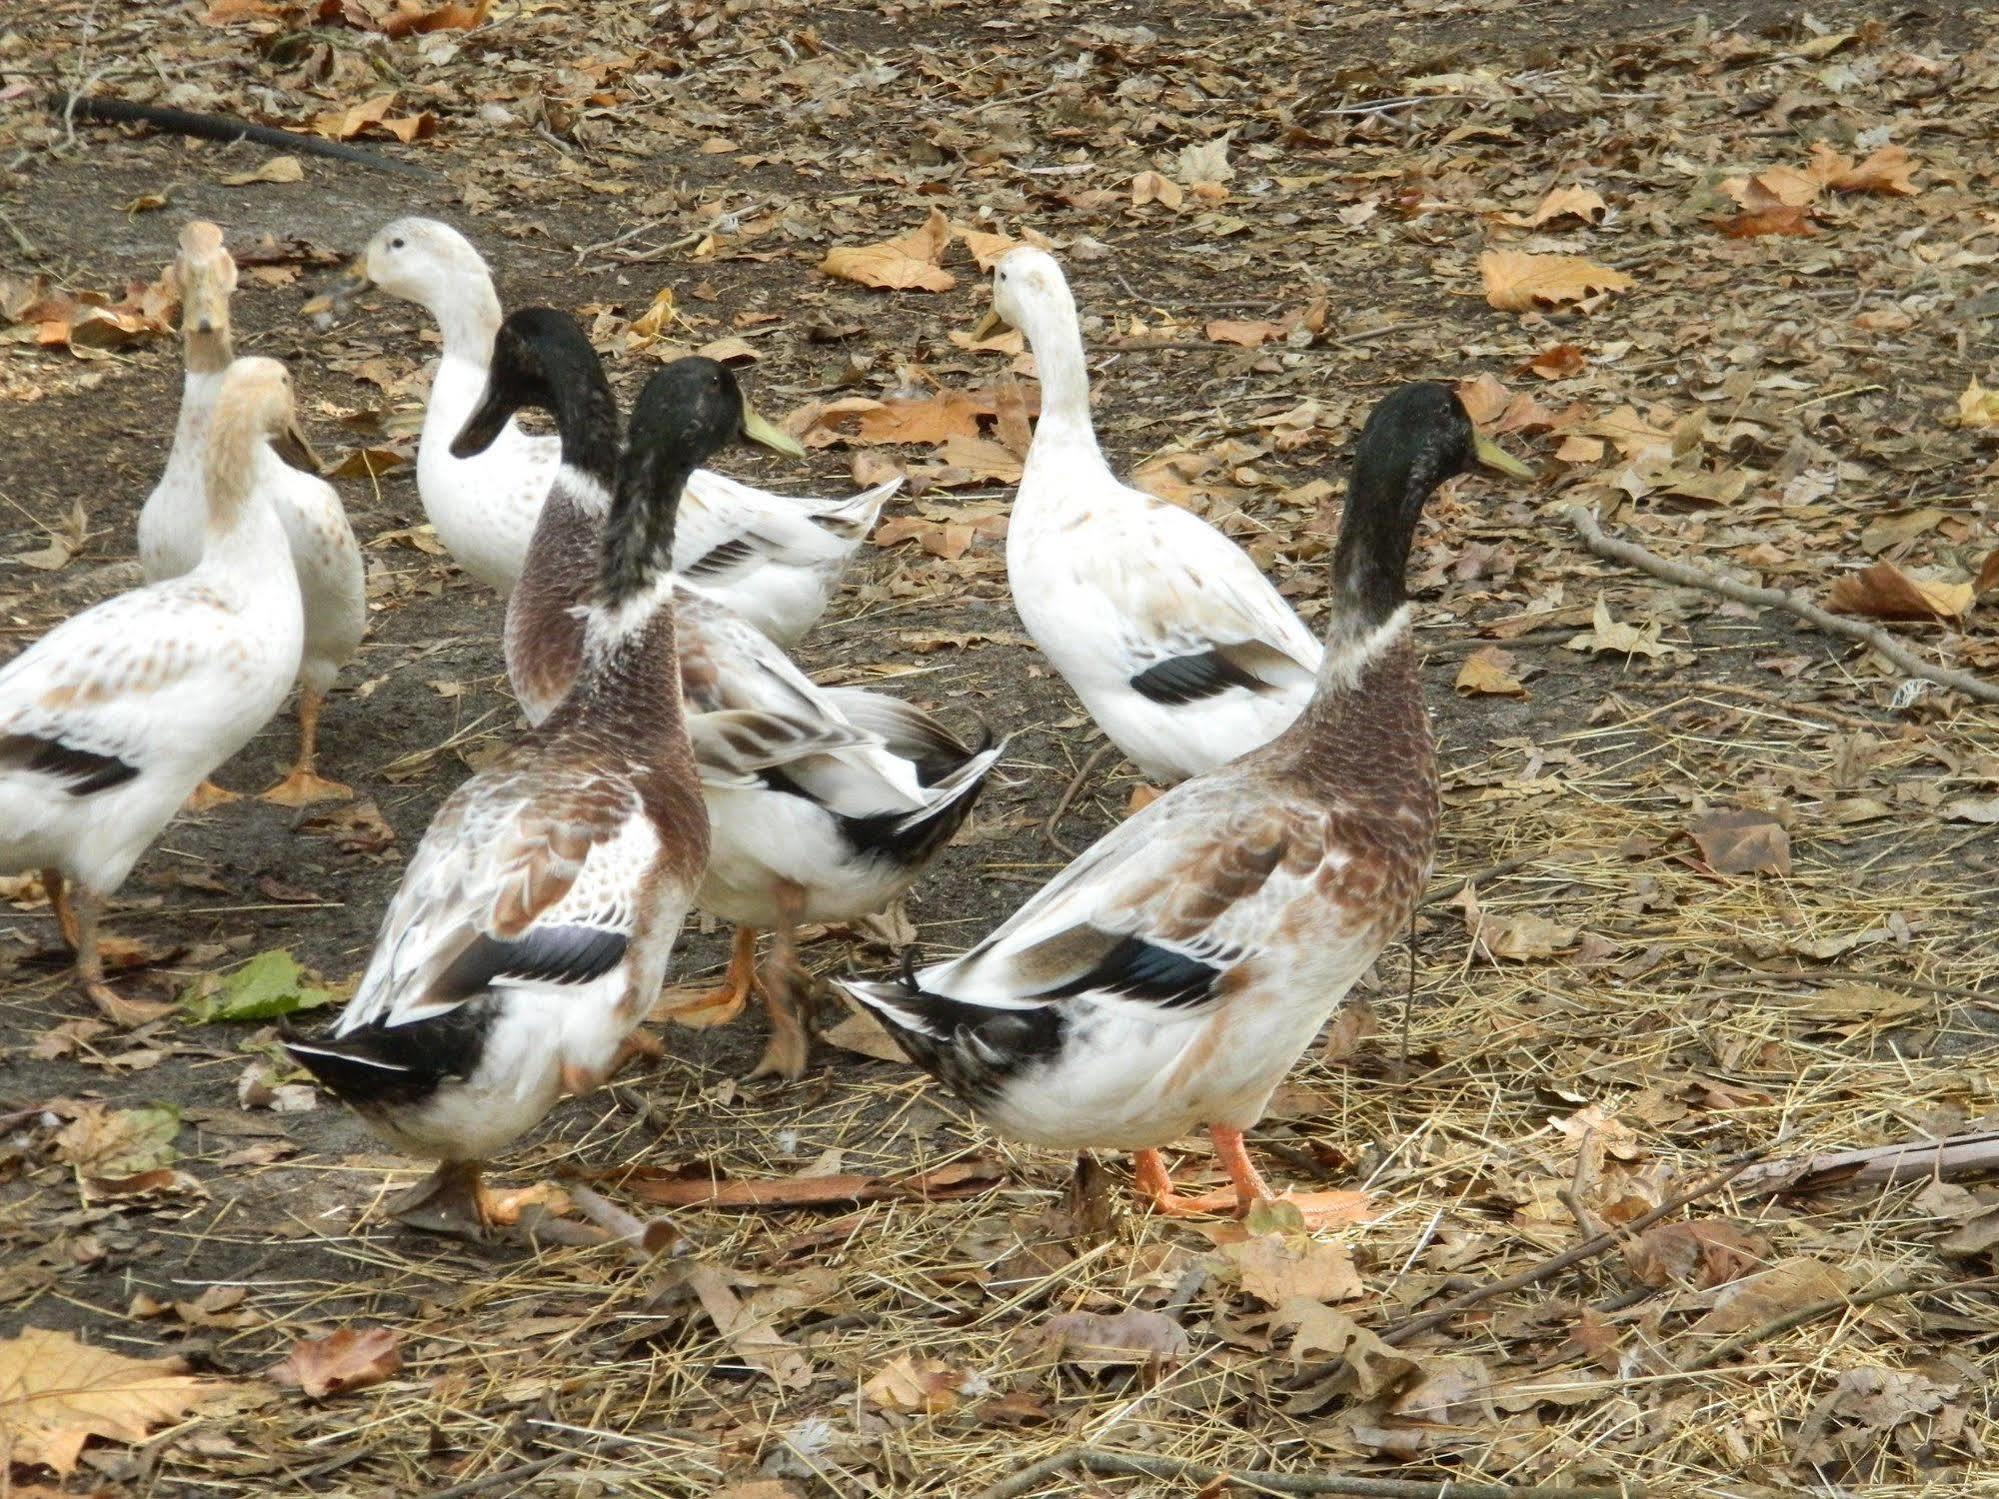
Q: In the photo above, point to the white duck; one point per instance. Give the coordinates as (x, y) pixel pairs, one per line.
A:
(1179, 647)
(109, 721)
(775, 559)
(173, 523)
(534, 924)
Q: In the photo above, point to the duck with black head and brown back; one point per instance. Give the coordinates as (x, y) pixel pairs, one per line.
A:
(824, 804)
(1171, 975)
(533, 928)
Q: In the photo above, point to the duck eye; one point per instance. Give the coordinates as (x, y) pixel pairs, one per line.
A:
(395, 244)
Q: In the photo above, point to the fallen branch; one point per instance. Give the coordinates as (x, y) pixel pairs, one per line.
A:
(1950, 1159)
(1178, 1470)
(1402, 1332)
(227, 128)
(1687, 576)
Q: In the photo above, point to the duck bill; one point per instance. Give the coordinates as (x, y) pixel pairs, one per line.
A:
(344, 288)
(988, 325)
(759, 429)
(290, 445)
(1496, 458)
(487, 421)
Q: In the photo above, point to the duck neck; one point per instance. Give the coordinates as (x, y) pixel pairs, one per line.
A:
(1366, 715)
(630, 675)
(586, 416)
(206, 351)
(240, 522)
(468, 316)
(1057, 341)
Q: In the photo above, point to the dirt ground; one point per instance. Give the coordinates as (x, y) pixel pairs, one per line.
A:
(1604, 1016)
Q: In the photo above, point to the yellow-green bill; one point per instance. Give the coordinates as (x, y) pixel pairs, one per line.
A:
(1493, 456)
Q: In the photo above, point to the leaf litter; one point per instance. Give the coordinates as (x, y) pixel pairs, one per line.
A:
(1721, 385)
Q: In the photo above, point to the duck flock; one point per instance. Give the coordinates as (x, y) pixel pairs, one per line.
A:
(678, 760)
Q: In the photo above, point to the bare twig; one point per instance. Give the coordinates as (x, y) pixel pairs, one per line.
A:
(502, 1477)
(1687, 576)
(1178, 1470)
(1727, 1348)
(1402, 1332)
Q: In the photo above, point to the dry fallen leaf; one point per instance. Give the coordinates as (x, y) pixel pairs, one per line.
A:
(277, 169)
(1516, 281)
(908, 262)
(1703, 1253)
(1754, 1300)
(1366, 1365)
(56, 1394)
(1779, 219)
(351, 1359)
(1977, 406)
(1740, 841)
(1608, 634)
(1886, 171)
(908, 1383)
(1275, 1267)
(1132, 1336)
(1489, 670)
(1884, 591)
(1583, 203)
(1151, 187)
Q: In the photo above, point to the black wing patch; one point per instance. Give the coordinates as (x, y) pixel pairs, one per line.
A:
(1139, 970)
(972, 1049)
(722, 559)
(86, 771)
(385, 1066)
(547, 955)
(1188, 679)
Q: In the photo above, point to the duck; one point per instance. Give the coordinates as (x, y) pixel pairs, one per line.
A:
(776, 559)
(824, 805)
(110, 721)
(1179, 648)
(537, 918)
(173, 522)
(1170, 976)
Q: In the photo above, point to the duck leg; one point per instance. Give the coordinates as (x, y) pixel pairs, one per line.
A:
(1155, 1185)
(65, 914)
(448, 1201)
(1250, 1187)
(304, 786)
(720, 1006)
(785, 984)
(90, 968)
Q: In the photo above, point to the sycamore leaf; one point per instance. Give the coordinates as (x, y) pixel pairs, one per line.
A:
(119, 1142)
(56, 1394)
(277, 169)
(1583, 203)
(1152, 187)
(1884, 591)
(1739, 841)
(1977, 406)
(1886, 171)
(1249, 334)
(1274, 1267)
(1607, 634)
(1489, 670)
(1516, 281)
(1368, 1365)
(1778, 219)
(986, 248)
(351, 1359)
(909, 262)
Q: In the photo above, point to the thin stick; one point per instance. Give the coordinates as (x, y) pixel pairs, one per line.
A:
(1952, 1158)
(505, 1475)
(1402, 1332)
(1069, 795)
(1479, 876)
(1177, 1470)
(1871, 636)
(1727, 1348)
